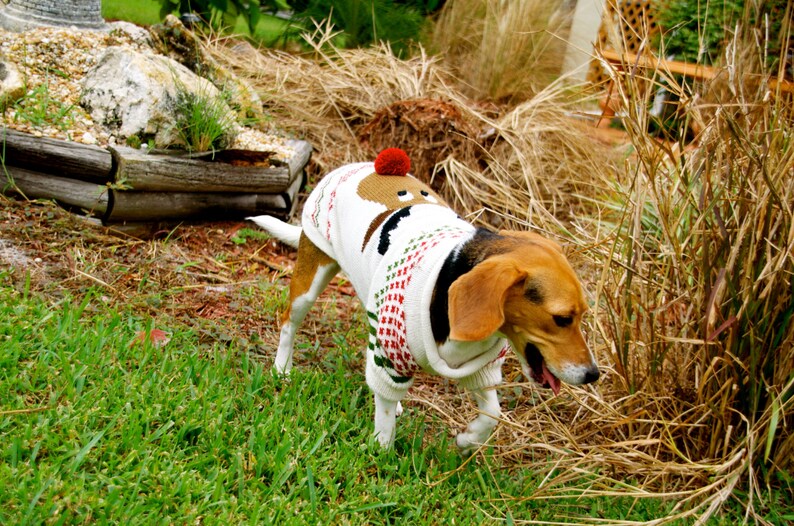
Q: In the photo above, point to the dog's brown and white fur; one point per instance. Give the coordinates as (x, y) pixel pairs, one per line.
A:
(491, 285)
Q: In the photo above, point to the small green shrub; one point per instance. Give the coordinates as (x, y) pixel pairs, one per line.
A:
(699, 31)
(220, 12)
(695, 31)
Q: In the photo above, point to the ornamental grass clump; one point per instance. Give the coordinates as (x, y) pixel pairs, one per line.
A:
(502, 51)
(204, 123)
(536, 158)
(695, 300)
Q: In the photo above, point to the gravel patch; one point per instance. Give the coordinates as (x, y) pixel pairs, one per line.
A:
(58, 59)
(54, 62)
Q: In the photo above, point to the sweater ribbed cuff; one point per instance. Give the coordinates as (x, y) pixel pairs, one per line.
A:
(381, 383)
(488, 376)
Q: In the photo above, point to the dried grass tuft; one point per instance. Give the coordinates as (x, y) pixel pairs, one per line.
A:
(695, 300)
(502, 51)
(328, 96)
(538, 166)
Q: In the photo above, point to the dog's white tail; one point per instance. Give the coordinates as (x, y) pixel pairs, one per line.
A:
(284, 232)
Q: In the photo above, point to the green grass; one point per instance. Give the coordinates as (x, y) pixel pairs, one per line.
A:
(39, 108)
(97, 429)
(204, 123)
(142, 12)
(147, 12)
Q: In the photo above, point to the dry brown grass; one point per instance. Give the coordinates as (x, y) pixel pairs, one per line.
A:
(695, 297)
(501, 51)
(328, 96)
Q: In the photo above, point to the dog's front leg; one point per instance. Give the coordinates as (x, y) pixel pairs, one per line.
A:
(479, 429)
(385, 420)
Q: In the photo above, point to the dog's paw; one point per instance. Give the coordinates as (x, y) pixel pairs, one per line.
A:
(467, 443)
(281, 373)
(385, 440)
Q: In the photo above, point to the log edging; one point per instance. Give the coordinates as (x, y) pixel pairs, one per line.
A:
(120, 184)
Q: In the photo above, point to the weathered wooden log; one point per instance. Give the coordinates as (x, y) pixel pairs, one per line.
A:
(164, 187)
(165, 173)
(57, 157)
(297, 163)
(90, 197)
(132, 206)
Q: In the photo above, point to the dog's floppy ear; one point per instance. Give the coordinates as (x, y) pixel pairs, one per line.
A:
(477, 299)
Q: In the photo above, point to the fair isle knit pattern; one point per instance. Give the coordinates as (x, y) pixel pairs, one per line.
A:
(327, 193)
(401, 340)
(388, 338)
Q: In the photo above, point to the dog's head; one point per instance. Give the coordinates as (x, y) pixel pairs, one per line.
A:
(528, 292)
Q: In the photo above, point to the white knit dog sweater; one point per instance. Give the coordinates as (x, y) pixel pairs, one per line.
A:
(392, 234)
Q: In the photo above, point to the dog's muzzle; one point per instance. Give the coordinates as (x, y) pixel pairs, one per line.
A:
(545, 378)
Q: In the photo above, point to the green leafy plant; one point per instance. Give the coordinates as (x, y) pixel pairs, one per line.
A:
(134, 141)
(426, 7)
(695, 31)
(221, 12)
(699, 31)
(244, 234)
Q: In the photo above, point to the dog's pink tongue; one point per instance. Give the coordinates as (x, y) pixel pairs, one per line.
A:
(553, 381)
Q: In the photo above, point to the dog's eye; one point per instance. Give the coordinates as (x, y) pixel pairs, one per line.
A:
(563, 321)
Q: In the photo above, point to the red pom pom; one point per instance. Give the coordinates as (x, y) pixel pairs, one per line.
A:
(392, 161)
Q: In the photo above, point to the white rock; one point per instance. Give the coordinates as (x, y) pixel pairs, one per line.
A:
(135, 33)
(12, 85)
(135, 94)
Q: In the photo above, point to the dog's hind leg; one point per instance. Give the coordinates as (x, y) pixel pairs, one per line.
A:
(479, 429)
(313, 271)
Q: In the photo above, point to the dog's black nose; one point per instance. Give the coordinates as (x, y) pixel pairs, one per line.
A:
(592, 375)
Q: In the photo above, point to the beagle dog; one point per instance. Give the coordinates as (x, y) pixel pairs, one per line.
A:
(441, 296)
